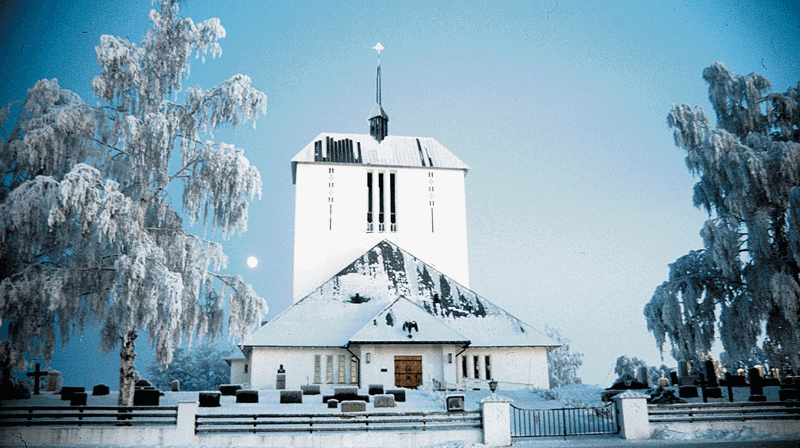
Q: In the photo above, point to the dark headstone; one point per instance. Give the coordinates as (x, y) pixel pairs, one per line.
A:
(399, 394)
(455, 403)
(376, 389)
(291, 396)
(229, 389)
(384, 401)
(687, 392)
(142, 383)
(175, 386)
(146, 397)
(756, 388)
(770, 382)
(673, 377)
(711, 374)
(641, 376)
(310, 389)
(789, 394)
(209, 399)
(333, 403)
(67, 391)
(101, 389)
(246, 396)
(78, 399)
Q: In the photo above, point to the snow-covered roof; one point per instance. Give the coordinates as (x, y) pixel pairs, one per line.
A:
(404, 322)
(341, 309)
(364, 149)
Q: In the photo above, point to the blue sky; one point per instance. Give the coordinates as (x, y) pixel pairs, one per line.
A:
(577, 199)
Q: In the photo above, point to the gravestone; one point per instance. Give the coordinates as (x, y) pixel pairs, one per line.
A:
(399, 395)
(375, 389)
(175, 386)
(756, 389)
(333, 403)
(67, 391)
(310, 389)
(686, 378)
(78, 399)
(673, 376)
(246, 396)
(229, 389)
(291, 396)
(455, 403)
(100, 389)
(208, 399)
(384, 401)
(146, 397)
(354, 406)
(54, 381)
(37, 375)
(641, 375)
(711, 389)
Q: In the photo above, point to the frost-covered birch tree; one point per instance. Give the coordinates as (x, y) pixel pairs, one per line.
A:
(88, 230)
(562, 365)
(746, 280)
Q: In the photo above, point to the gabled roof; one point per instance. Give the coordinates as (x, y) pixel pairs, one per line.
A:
(363, 149)
(404, 322)
(341, 308)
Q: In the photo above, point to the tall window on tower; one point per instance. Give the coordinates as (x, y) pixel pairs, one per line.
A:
(370, 225)
(392, 203)
(381, 207)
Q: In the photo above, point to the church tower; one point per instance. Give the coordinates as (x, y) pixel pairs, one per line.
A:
(353, 191)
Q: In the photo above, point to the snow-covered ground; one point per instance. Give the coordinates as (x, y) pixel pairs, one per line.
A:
(426, 400)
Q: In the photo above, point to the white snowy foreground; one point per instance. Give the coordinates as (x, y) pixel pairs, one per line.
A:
(427, 400)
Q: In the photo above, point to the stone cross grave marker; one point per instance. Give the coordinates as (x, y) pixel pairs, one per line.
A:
(37, 374)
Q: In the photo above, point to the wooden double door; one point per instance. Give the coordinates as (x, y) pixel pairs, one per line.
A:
(408, 371)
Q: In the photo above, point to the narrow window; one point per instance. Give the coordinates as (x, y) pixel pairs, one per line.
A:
(341, 370)
(477, 366)
(487, 367)
(464, 370)
(431, 201)
(329, 369)
(353, 370)
(392, 207)
(330, 217)
(245, 368)
(317, 368)
(381, 225)
(369, 202)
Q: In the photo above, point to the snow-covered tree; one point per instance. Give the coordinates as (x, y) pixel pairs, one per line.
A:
(630, 366)
(88, 230)
(561, 364)
(201, 368)
(749, 183)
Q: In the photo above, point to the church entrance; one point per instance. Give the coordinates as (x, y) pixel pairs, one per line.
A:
(408, 371)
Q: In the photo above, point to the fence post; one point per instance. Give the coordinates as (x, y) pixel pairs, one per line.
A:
(187, 411)
(496, 420)
(632, 414)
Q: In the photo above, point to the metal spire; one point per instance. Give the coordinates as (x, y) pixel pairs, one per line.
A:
(378, 47)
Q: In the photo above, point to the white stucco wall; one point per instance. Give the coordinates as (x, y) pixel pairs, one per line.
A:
(434, 363)
(526, 365)
(326, 242)
(299, 366)
(240, 371)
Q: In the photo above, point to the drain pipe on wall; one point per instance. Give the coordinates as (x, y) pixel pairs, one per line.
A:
(358, 364)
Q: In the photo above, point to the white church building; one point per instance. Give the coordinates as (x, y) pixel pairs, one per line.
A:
(381, 278)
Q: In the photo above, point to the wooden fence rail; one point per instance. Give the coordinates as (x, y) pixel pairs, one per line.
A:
(737, 411)
(408, 421)
(88, 415)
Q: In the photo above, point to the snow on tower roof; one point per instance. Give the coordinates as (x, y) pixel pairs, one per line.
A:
(343, 307)
(363, 149)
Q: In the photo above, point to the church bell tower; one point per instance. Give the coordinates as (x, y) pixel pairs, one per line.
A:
(378, 120)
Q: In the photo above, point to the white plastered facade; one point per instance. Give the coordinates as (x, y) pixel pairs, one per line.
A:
(331, 219)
